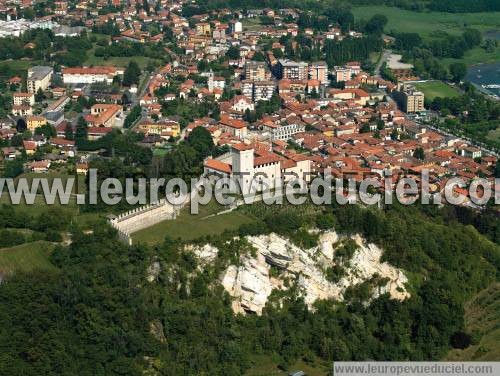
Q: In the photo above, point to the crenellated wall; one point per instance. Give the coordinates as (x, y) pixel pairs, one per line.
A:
(143, 217)
(148, 215)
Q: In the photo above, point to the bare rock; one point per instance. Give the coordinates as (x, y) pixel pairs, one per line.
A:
(250, 283)
(153, 271)
(156, 329)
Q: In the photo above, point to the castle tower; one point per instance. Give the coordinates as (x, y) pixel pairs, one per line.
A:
(242, 165)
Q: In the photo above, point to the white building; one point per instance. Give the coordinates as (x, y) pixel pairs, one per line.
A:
(258, 90)
(241, 103)
(85, 75)
(15, 28)
(22, 110)
(27, 99)
(39, 77)
(257, 170)
(235, 26)
(283, 131)
(263, 90)
(216, 82)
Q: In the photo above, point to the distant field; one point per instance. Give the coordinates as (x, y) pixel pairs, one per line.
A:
(375, 57)
(26, 257)
(428, 23)
(476, 56)
(118, 61)
(431, 24)
(159, 152)
(482, 319)
(433, 89)
(189, 227)
(21, 66)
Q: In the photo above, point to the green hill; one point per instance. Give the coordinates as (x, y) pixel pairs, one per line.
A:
(482, 320)
(26, 257)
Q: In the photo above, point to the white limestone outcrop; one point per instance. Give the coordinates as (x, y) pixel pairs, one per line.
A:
(251, 283)
(205, 254)
(153, 271)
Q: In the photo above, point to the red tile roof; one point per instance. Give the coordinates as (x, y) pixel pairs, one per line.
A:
(217, 165)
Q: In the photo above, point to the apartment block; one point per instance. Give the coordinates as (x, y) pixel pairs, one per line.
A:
(203, 28)
(39, 77)
(410, 99)
(257, 70)
(27, 99)
(342, 74)
(257, 90)
(292, 70)
(319, 71)
(105, 115)
(34, 122)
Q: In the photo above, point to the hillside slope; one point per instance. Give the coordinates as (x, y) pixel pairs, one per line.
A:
(482, 320)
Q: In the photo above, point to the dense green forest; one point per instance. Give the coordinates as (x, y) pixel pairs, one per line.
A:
(98, 314)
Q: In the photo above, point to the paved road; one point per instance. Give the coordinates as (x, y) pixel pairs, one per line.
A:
(383, 59)
(137, 97)
(143, 89)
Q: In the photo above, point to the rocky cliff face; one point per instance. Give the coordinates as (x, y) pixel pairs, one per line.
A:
(251, 282)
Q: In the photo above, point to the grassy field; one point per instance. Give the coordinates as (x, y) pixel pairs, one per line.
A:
(433, 89)
(375, 57)
(251, 24)
(39, 203)
(433, 24)
(266, 365)
(61, 174)
(482, 319)
(26, 257)
(84, 220)
(17, 67)
(118, 61)
(476, 56)
(188, 226)
(429, 23)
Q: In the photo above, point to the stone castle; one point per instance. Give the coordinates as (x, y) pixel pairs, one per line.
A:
(143, 217)
(148, 215)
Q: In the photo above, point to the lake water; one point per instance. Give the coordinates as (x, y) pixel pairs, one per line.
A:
(485, 75)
